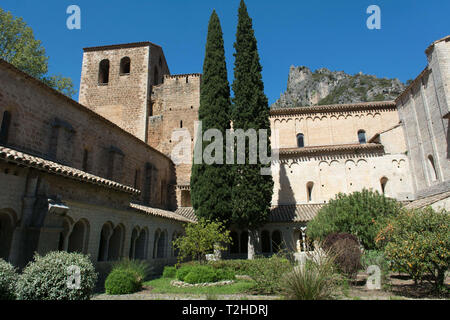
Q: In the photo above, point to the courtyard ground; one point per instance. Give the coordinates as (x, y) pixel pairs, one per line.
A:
(401, 287)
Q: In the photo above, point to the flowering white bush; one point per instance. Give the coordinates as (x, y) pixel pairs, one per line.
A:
(55, 277)
(8, 279)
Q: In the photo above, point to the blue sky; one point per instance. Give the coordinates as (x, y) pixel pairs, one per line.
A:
(319, 33)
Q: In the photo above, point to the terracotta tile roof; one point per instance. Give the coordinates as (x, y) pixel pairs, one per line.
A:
(294, 212)
(14, 156)
(334, 108)
(280, 213)
(161, 213)
(187, 212)
(121, 46)
(427, 201)
(332, 148)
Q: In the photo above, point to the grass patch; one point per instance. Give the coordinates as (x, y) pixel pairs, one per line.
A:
(162, 285)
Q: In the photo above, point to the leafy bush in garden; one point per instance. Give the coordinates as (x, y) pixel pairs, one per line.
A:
(169, 272)
(418, 242)
(241, 267)
(46, 278)
(225, 274)
(332, 238)
(201, 274)
(316, 279)
(184, 271)
(377, 258)
(202, 238)
(122, 281)
(360, 213)
(268, 272)
(8, 279)
(141, 268)
(347, 256)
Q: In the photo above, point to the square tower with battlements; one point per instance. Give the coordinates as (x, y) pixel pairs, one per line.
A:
(117, 80)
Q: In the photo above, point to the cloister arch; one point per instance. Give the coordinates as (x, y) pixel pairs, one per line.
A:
(105, 235)
(276, 241)
(265, 242)
(79, 237)
(7, 226)
(116, 243)
(141, 245)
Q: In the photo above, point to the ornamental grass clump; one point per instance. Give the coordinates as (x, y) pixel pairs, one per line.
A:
(316, 279)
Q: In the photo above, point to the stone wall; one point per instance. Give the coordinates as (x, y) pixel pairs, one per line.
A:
(331, 127)
(175, 111)
(49, 125)
(423, 109)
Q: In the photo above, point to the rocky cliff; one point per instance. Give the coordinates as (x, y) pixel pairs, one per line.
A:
(307, 88)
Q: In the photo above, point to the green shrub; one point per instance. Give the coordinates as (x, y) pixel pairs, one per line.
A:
(169, 272)
(141, 268)
(268, 272)
(316, 279)
(122, 281)
(241, 267)
(183, 271)
(359, 213)
(46, 278)
(8, 279)
(225, 274)
(418, 242)
(201, 274)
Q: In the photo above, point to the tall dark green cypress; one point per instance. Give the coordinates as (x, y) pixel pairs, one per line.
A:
(210, 183)
(251, 191)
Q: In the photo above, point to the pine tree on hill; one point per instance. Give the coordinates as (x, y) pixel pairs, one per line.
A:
(210, 183)
(252, 192)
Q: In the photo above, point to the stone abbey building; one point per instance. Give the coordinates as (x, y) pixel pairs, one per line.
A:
(96, 176)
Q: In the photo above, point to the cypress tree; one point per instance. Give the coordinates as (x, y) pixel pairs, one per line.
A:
(210, 183)
(251, 191)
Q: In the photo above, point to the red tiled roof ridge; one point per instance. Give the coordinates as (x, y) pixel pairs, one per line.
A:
(337, 147)
(161, 212)
(334, 107)
(12, 155)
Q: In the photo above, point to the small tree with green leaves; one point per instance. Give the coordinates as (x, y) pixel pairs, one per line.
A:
(358, 213)
(418, 242)
(202, 238)
(19, 47)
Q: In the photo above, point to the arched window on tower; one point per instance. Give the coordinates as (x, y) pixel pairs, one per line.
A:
(432, 168)
(300, 140)
(4, 129)
(181, 123)
(309, 190)
(383, 183)
(125, 66)
(103, 72)
(362, 136)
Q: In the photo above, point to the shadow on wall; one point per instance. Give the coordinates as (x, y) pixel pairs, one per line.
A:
(448, 139)
(285, 193)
